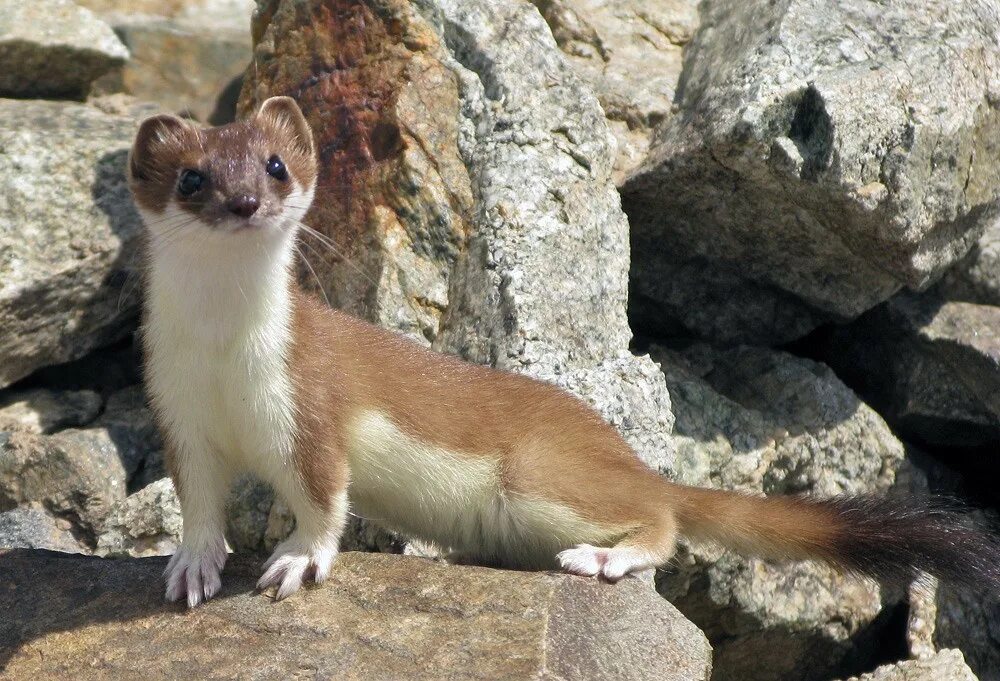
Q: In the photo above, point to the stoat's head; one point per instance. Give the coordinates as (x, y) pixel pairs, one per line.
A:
(250, 177)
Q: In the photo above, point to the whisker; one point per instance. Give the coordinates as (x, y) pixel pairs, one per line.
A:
(328, 242)
(309, 265)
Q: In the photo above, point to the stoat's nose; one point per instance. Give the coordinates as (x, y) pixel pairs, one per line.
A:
(243, 205)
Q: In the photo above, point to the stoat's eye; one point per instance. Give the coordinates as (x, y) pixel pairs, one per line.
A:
(276, 169)
(190, 183)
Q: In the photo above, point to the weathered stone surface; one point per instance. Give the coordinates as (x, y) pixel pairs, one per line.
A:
(67, 233)
(629, 51)
(388, 617)
(970, 622)
(45, 411)
(129, 422)
(147, 523)
(946, 665)
(976, 279)
(920, 621)
(762, 421)
(31, 527)
(825, 155)
(466, 171)
(185, 66)
(75, 474)
(53, 48)
(931, 367)
(223, 14)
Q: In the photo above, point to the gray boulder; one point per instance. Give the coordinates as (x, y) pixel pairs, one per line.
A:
(931, 367)
(68, 233)
(53, 48)
(756, 420)
(824, 156)
(630, 53)
(976, 279)
(947, 665)
(46, 411)
(75, 474)
(147, 523)
(31, 527)
(971, 623)
(192, 66)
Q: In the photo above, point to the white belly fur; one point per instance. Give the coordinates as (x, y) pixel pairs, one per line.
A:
(455, 500)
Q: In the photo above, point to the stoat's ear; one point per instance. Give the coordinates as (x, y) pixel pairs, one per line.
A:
(155, 136)
(283, 116)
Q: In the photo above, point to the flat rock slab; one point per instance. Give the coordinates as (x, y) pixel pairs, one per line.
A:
(378, 617)
(947, 665)
(53, 48)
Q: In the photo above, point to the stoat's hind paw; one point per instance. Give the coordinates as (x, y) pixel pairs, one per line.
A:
(195, 573)
(293, 562)
(612, 564)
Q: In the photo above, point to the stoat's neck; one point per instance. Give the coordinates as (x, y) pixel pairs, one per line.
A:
(221, 290)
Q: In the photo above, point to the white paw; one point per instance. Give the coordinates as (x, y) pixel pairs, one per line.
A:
(293, 562)
(612, 564)
(195, 573)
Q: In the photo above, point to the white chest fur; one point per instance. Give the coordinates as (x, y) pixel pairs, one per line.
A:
(217, 337)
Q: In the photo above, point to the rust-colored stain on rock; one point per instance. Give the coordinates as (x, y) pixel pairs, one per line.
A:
(344, 62)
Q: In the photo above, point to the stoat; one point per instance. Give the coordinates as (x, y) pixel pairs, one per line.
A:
(247, 373)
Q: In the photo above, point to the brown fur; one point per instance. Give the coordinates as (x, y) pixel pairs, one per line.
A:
(547, 445)
(165, 145)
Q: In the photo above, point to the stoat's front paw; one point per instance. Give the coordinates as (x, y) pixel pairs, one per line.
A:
(294, 561)
(195, 572)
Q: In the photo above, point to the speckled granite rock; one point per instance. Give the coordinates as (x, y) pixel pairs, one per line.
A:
(53, 48)
(931, 366)
(31, 527)
(75, 474)
(68, 233)
(45, 411)
(382, 617)
(147, 523)
(763, 421)
(192, 66)
(946, 665)
(976, 279)
(970, 621)
(630, 52)
(825, 155)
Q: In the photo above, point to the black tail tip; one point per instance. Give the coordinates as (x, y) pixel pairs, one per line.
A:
(894, 538)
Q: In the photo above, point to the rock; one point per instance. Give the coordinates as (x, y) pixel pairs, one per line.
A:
(45, 411)
(466, 181)
(68, 234)
(189, 67)
(824, 156)
(147, 523)
(377, 617)
(976, 279)
(129, 422)
(971, 622)
(221, 14)
(757, 420)
(75, 474)
(920, 621)
(30, 527)
(629, 51)
(105, 370)
(931, 367)
(946, 665)
(53, 48)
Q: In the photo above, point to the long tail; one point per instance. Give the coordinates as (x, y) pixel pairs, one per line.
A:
(883, 537)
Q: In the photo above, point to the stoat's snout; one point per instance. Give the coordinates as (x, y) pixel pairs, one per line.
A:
(254, 173)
